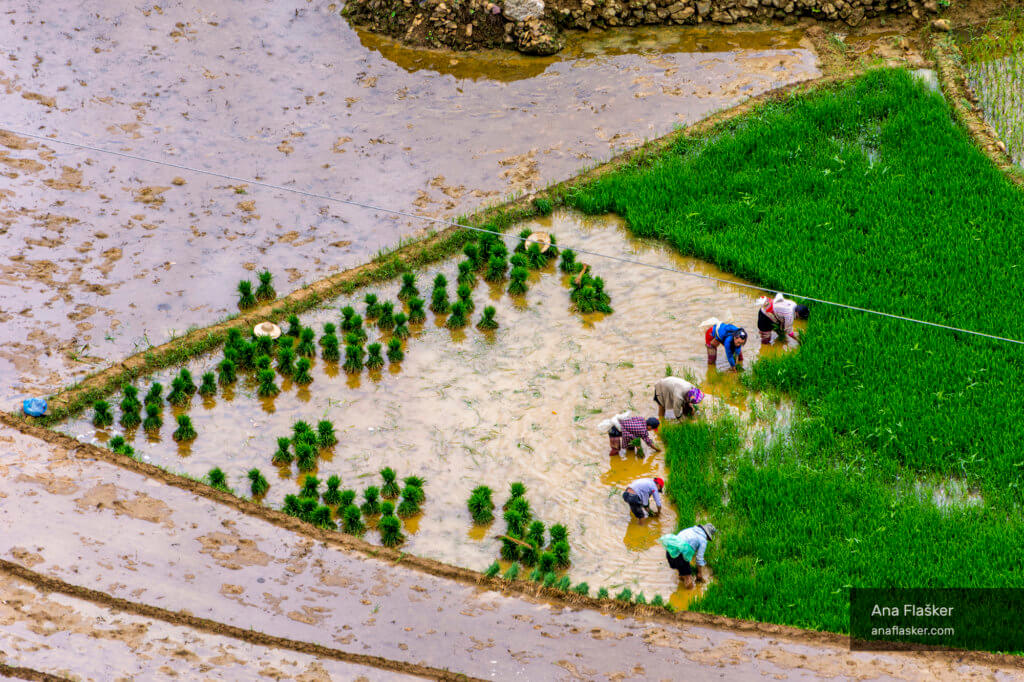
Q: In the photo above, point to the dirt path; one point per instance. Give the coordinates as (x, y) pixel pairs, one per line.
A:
(101, 527)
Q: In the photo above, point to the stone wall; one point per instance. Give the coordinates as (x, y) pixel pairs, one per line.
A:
(535, 26)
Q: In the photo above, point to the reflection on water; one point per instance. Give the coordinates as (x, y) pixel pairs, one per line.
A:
(520, 404)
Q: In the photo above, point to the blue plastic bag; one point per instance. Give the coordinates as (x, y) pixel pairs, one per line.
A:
(34, 407)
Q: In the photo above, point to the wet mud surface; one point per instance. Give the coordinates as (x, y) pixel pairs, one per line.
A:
(99, 526)
(103, 256)
(467, 408)
(60, 635)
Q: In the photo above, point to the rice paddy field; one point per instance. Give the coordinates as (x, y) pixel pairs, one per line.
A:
(903, 465)
(994, 63)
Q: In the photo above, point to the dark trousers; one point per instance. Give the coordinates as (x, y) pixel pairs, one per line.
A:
(680, 564)
(635, 504)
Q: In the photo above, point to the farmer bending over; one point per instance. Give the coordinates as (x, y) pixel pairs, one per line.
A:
(678, 395)
(777, 315)
(623, 429)
(686, 546)
(730, 336)
(639, 493)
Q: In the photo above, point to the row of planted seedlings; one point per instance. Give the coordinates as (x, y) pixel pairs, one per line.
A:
(292, 354)
(523, 547)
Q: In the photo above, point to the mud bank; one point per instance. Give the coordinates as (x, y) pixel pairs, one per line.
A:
(101, 527)
(536, 27)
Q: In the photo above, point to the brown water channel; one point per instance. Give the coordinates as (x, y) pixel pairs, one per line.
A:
(523, 403)
(103, 256)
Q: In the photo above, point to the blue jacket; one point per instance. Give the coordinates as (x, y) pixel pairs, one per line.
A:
(723, 332)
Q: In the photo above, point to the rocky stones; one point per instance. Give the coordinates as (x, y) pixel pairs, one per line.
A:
(522, 10)
(942, 25)
(537, 37)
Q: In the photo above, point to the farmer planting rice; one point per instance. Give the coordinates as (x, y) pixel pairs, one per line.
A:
(639, 493)
(623, 429)
(718, 333)
(777, 315)
(685, 546)
(678, 396)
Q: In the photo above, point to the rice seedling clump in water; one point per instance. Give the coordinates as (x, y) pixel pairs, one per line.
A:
(487, 321)
(282, 456)
(401, 331)
(374, 360)
(439, 296)
(265, 291)
(390, 528)
(185, 431)
(390, 489)
(371, 504)
(302, 376)
(154, 418)
(245, 295)
(395, 353)
(416, 313)
(218, 479)
(408, 289)
(351, 522)
(258, 485)
(332, 495)
(481, 506)
(325, 434)
(208, 385)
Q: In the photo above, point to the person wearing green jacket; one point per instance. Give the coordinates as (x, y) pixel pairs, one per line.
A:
(687, 546)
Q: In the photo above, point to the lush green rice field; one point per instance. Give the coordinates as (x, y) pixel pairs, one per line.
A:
(871, 195)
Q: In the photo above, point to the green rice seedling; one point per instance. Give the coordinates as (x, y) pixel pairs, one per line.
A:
(543, 206)
(395, 353)
(372, 307)
(226, 374)
(602, 593)
(559, 533)
(154, 419)
(324, 518)
(265, 291)
(218, 479)
(530, 554)
(329, 330)
(640, 599)
(208, 384)
(512, 573)
(465, 295)
(387, 508)
(285, 361)
(519, 260)
(583, 589)
(408, 289)
(305, 457)
(346, 497)
(373, 356)
(282, 456)
(130, 399)
(440, 281)
(493, 570)
(264, 345)
(390, 489)
(481, 506)
(414, 481)
(536, 575)
(245, 297)
(625, 595)
(177, 395)
(310, 487)
(535, 533)
(258, 485)
(353, 359)
(458, 318)
(552, 252)
(154, 395)
(439, 300)
(514, 523)
(569, 264)
(185, 431)
(330, 352)
(549, 579)
(417, 315)
(353, 339)
(187, 383)
(537, 259)
(302, 432)
(291, 505)
(390, 529)
(517, 281)
(467, 274)
(332, 495)
(266, 387)
(325, 434)
(401, 330)
(472, 253)
(307, 507)
(522, 243)
(131, 418)
(487, 321)
(497, 268)
(351, 522)
(371, 504)
(234, 338)
(262, 362)
(386, 321)
(407, 508)
(547, 562)
(509, 550)
(515, 490)
(302, 376)
(491, 244)
(294, 326)
(658, 601)
(307, 343)
(348, 311)
(521, 506)
(116, 443)
(414, 493)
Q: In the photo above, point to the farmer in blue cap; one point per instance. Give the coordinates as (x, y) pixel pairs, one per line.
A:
(685, 546)
(678, 396)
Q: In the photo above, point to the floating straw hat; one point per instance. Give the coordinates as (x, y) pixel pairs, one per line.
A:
(543, 239)
(267, 329)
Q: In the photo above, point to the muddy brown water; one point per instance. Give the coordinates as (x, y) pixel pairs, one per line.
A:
(467, 408)
(103, 256)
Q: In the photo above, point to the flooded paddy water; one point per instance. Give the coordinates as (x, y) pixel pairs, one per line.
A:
(104, 256)
(468, 408)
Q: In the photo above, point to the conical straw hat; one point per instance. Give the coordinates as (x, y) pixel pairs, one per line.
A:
(267, 329)
(543, 239)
